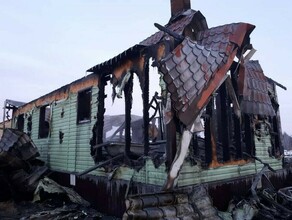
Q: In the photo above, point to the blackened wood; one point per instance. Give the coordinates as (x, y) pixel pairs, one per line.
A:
(128, 90)
(171, 33)
(100, 165)
(145, 95)
(237, 121)
(249, 134)
(278, 84)
(100, 118)
(208, 144)
(277, 143)
(224, 123)
(237, 137)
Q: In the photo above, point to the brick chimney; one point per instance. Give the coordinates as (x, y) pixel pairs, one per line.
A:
(178, 6)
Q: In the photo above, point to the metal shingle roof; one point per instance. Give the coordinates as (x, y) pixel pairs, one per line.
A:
(254, 90)
(194, 70)
(189, 69)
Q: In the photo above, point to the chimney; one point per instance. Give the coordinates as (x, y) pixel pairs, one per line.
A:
(178, 6)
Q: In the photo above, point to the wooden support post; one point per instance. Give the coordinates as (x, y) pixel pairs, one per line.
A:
(249, 134)
(128, 90)
(237, 137)
(224, 122)
(145, 95)
(277, 126)
(100, 117)
(208, 144)
(237, 120)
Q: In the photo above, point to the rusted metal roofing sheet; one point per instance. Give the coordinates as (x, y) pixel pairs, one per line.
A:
(194, 70)
(189, 69)
(253, 87)
(178, 25)
(223, 38)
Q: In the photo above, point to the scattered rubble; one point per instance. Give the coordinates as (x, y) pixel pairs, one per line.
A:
(263, 202)
(25, 191)
(20, 167)
(46, 210)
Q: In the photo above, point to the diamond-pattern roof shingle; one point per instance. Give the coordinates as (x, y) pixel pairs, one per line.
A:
(193, 70)
(253, 87)
(189, 69)
(221, 37)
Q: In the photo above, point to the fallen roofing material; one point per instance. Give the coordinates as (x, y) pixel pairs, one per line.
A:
(19, 164)
(195, 204)
(16, 148)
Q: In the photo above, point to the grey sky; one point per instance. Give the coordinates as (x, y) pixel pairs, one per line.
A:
(46, 44)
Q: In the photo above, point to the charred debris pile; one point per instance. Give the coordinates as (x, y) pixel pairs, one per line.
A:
(25, 190)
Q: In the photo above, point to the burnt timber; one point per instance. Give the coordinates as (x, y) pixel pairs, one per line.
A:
(210, 109)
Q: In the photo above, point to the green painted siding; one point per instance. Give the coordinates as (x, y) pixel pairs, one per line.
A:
(73, 154)
(190, 175)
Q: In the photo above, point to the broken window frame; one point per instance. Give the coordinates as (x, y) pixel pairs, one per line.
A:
(84, 115)
(44, 125)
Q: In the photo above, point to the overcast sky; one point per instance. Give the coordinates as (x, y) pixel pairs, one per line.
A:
(47, 44)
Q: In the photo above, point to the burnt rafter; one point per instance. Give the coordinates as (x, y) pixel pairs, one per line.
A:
(170, 32)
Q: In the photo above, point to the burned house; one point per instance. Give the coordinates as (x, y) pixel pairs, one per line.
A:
(214, 106)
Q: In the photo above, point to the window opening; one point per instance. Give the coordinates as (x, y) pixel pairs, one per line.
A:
(20, 122)
(44, 121)
(84, 106)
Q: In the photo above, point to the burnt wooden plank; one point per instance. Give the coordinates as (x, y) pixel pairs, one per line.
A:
(128, 90)
(145, 94)
(225, 125)
(100, 118)
(208, 144)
